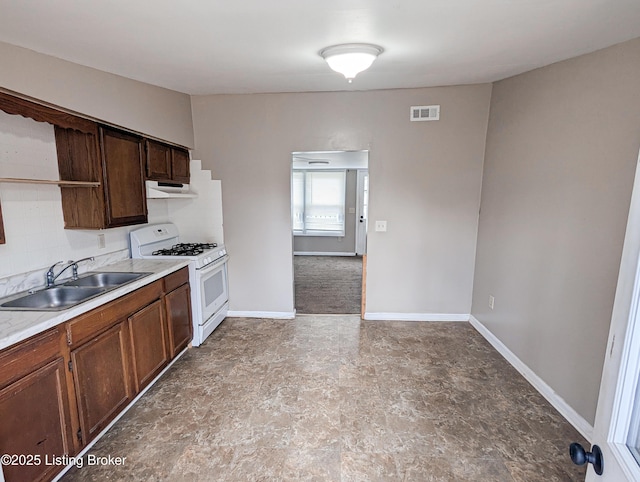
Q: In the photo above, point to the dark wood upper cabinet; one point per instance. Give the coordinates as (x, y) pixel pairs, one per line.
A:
(79, 160)
(122, 164)
(180, 165)
(111, 157)
(118, 160)
(166, 163)
(158, 161)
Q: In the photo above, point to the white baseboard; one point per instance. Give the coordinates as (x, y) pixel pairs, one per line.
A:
(573, 417)
(322, 253)
(281, 315)
(416, 316)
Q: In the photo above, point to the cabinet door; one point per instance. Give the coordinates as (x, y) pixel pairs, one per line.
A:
(79, 160)
(35, 422)
(148, 344)
(180, 165)
(101, 376)
(125, 198)
(178, 306)
(158, 161)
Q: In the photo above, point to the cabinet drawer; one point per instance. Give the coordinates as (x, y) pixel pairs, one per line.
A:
(85, 326)
(24, 357)
(172, 281)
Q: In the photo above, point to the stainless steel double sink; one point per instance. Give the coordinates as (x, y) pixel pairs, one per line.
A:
(70, 293)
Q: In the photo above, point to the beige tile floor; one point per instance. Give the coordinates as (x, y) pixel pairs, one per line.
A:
(332, 398)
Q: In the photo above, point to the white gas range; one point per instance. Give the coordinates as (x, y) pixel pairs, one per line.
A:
(207, 272)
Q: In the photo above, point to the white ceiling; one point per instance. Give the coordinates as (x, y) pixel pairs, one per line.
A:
(249, 46)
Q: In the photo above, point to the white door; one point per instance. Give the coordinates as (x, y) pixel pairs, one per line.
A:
(617, 424)
(362, 212)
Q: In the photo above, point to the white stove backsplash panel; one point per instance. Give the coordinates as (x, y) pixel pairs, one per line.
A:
(187, 214)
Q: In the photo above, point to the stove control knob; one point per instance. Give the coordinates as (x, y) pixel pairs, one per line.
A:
(207, 259)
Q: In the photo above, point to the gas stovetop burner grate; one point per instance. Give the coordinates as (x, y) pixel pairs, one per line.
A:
(185, 249)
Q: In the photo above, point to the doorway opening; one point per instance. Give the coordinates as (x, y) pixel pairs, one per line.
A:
(329, 216)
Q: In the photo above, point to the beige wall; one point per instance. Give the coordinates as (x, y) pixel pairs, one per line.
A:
(561, 151)
(424, 178)
(141, 107)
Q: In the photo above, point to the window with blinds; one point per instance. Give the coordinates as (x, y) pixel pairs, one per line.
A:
(318, 202)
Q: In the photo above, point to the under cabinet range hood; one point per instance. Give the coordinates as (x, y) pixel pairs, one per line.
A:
(168, 190)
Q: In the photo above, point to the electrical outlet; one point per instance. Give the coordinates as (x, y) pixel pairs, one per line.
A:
(491, 301)
(381, 226)
(101, 241)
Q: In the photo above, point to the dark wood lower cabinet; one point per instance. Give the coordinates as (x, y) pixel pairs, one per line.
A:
(61, 388)
(148, 343)
(101, 374)
(178, 305)
(34, 414)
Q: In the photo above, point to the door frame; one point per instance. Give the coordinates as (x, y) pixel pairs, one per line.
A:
(621, 367)
(322, 155)
(361, 238)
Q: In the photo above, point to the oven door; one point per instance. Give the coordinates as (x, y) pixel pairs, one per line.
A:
(213, 288)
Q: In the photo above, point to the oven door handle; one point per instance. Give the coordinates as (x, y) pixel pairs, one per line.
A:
(216, 264)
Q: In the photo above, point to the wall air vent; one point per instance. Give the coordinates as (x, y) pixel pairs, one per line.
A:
(425, 113)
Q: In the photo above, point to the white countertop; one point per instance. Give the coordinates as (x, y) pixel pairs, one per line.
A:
(16, 326)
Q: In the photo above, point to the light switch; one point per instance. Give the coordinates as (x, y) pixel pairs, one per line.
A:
(381, 226)
(352, 210)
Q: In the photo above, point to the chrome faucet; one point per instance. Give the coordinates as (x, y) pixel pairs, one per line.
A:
(74, 266)
(51, 277)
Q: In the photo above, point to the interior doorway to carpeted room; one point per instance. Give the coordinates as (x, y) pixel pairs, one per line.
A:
(328, 284)
(329, 218)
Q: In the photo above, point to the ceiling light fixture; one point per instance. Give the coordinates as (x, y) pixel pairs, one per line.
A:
(351, 59)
